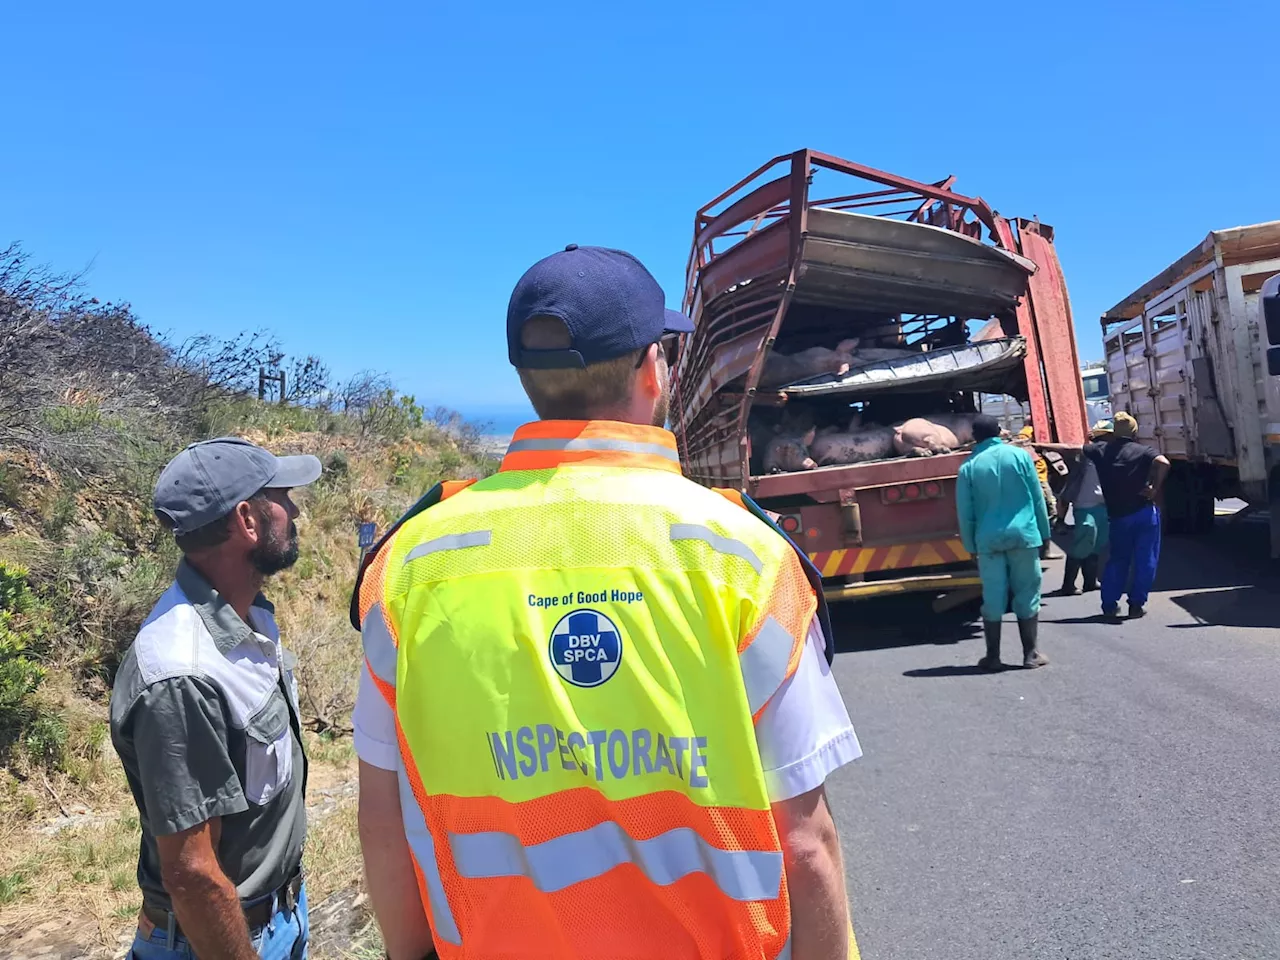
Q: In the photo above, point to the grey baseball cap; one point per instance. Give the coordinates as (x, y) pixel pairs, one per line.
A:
(205, 481)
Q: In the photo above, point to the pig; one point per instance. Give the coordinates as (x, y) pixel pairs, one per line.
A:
(788, 452)
(781, 369)
(789, 436)
(939, 433)
(855, 445)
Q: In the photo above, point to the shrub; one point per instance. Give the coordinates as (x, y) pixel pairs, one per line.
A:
(390, 417)
(20, 676)
(337, 468)
(67, 418)
(59, 515)
(15, 591)
(45, 740)
(10, 485)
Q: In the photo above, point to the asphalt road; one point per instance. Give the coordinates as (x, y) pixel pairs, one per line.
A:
(1122, 802)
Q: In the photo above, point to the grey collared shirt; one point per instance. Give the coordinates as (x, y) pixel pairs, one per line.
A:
(204, 716)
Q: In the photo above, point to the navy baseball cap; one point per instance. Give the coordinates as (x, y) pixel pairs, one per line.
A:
(205, 481)
(610, 303)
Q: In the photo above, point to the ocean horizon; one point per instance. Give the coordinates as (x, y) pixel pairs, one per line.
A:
(497, 421)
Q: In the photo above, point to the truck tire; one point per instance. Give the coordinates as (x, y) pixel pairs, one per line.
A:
(1204, 509)
(1178, 501)
(1188, 501)
(1200, 503)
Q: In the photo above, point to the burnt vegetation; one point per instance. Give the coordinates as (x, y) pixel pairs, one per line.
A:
(93, 403)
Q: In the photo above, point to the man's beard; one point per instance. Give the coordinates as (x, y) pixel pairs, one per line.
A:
(275, 553)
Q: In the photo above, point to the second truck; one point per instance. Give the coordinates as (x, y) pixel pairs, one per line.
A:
(833, 304)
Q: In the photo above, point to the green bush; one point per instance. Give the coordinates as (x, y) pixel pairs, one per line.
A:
(390, 417)
(45, 740)
(71, 418)
(337, 468)
(15, 591)
(10, 485)
(59, 515)
(20, 676)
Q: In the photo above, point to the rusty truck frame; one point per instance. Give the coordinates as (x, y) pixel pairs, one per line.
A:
(767, 244)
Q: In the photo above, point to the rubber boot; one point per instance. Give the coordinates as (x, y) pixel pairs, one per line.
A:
(1069, 571)
(991, 662)
(1027, 632)
(1090, 567)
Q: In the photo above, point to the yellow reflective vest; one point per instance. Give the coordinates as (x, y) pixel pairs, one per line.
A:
(576, 650)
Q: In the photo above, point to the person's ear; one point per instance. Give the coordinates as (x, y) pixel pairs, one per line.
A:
(649, 382)
(245, 523)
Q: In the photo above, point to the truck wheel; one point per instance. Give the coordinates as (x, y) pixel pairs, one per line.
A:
(1177, 502)
(1201, 504)
(1202, 515)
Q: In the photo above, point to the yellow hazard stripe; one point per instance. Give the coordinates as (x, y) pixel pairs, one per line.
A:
(862, 561)
(858, 560)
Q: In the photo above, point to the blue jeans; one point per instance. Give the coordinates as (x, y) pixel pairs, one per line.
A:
(1135, 543)
(1010, 571)
(284, 938)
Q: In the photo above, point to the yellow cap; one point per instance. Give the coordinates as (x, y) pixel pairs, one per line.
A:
(1124, 425)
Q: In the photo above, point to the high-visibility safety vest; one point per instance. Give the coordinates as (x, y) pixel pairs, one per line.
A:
(576, 650)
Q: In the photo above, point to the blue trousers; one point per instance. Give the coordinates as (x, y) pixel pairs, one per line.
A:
(284, 938)
(1005, 571)
(1135, 544)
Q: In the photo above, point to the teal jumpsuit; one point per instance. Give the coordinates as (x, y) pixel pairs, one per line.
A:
(1003, 521)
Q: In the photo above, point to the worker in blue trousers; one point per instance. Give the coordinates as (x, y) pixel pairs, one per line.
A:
(1131, 474)
(1003, 522)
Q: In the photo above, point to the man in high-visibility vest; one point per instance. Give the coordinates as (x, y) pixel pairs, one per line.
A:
(596, 712)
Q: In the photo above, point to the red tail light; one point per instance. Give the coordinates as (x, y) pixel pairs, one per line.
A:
(789, 523)
(908, 492)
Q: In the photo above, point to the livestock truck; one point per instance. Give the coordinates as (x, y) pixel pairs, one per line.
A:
(1194, 355)
(955, 300)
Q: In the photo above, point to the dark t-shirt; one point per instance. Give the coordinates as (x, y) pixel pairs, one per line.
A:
(1123, 467)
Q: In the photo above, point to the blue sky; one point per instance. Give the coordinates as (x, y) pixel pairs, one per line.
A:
(370, 183)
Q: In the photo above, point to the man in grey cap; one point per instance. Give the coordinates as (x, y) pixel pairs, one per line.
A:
(204, 716)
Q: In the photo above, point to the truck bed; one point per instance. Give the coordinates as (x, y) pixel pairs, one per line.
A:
(797, 262)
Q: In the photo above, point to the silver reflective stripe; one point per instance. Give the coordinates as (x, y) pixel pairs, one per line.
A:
(764, 663)
(424, 852)
(379, 647)
(785, 952)
(695, 531)
(454, 541)
(620, 446)
(664, 859)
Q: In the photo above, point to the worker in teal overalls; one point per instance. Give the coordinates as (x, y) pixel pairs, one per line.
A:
(1083, 493)
(1003, 522)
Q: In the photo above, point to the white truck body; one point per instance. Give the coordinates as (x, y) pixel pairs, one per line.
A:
(1012, 413)
(1186, 355)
